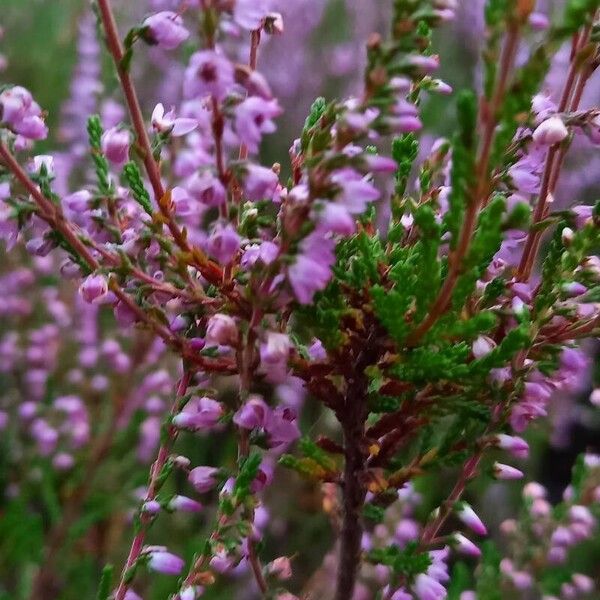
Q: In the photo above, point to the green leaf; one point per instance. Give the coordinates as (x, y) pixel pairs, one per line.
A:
(134, 180)
(105, 583)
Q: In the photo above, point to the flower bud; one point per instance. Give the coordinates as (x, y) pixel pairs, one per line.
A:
(515, 445)
(468, 516)
(165, 562)
(550, 132)
(184, 504)
(166, 30)
(94, 288)
(221, 330)
(483, 345)
(567, 236)
(203, 478)
(465, 545)
(280, 568)
(115, 145)
(502, 471)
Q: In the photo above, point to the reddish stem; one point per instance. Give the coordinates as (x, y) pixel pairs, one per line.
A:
(442, 301)
(570, 99)
(145, 519)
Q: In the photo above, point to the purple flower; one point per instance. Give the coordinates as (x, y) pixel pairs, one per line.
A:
(550, 132)
(334, 218)
(259, 183)
(223, 243)
(184, 504)
(249, 14)
(253, 118)
(465, 545)
(427, 588)
(22, 114)
(283, 427)
(78, 202)
(264, 253)
(207, 189)
(502, 471)
(276, 348)
(483, 345)
(469, 517)
(538, 21)
(203, 478)
(208, 73)
(94, 289)
(517, 446)
(404, 117)
(254, 414)
(166, 30)
(164, 562)
(221, 330)
(311, 270)
(168, 123)
(199, 414)
(115, 145)
(355, 191)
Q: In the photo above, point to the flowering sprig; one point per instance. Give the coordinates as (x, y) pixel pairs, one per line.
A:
(424, 333)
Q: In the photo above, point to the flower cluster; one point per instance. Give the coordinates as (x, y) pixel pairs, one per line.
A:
(379, 313)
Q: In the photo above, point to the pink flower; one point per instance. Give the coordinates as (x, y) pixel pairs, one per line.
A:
(280, 568)
(203, 478)
(254, 414)
(221, 330)
(199, 414)
(482, 346)
(259, 183)
(253, 118)
(208, 73)
(94, 289)
(164, 562)
(311, 270)
(223, 243)
(115, 145)
(21, 113)
(207, 189)
(469, 517)
(550, 132)
(515, 445)
(502, 471)
(168, 123)
(465, 545)
(184, 504)
(166, 30)
(427, 588)
(250, 14)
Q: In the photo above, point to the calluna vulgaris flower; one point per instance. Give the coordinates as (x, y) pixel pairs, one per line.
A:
(229, 303)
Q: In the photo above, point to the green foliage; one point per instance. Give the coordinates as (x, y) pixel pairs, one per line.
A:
(486, 242)
(489, 578)
(373, 513)
(427, 264)
(576, 14)
(405, 149)
(407, 562)
(136, 184)
(101, 166)
(463, 164)
(442, 361)
(105, 583)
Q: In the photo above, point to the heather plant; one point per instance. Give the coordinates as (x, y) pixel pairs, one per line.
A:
(192, 336)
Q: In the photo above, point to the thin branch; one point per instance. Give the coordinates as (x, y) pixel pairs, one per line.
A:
(570, 99)
(442, 301)
(153, 487)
